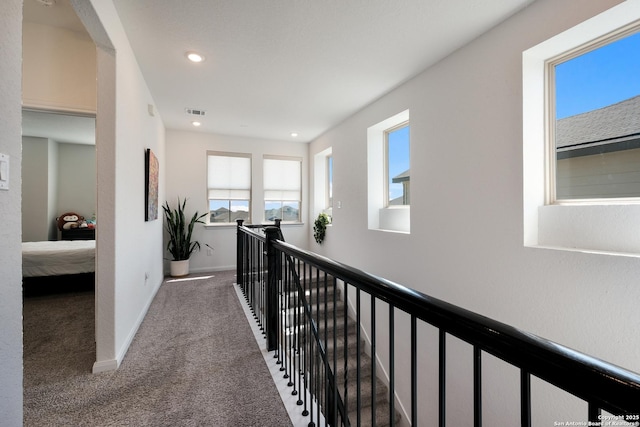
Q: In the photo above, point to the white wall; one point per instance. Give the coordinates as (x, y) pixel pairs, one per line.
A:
(35, 189)
(57, 178)
(52, 202)
(70, 60)
(10, 251)
(466, 241)
(129, 267)
(76, 191)
(187, 177)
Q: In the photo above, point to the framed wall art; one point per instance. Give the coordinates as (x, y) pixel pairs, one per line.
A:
(151, 167)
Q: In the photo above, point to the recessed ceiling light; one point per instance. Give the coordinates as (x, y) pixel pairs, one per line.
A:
(294, 134)
(196, 124)
(195, 57)
(47, 2)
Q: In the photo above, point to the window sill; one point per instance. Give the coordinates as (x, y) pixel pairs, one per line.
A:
(602, 229)
(234, 225)
(395, 219)
(221, 225)
(382, 230)
(586, 251)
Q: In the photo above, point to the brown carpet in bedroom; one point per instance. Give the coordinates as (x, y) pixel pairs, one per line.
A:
(193, 362)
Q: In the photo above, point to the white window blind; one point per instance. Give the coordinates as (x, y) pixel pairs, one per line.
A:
(229, 177)
(282, 179)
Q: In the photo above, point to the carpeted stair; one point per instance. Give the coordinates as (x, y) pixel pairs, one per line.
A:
(322, 301)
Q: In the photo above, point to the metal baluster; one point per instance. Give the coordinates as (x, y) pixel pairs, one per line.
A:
(335, 353)
(392, 367)
(300, 327)
(295, 331)
(247, 266)
(325, 388)
(594, 413)
(373, 360)
(319, 382)
(305, 336)
(442, 379)
(280, 326)
(312, 378)
(477, 386)
(314, 359)
(285, 320)
(346, 351)
(261, 288)
(525, 398)
(414, 373)
(358, 367)
(265, 288)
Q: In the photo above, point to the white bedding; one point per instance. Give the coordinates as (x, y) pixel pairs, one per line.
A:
(57, 258)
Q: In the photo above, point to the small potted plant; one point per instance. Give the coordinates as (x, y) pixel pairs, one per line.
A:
(320, 227)
(180, 245)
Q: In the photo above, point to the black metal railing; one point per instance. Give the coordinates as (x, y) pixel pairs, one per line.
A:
(323, 321)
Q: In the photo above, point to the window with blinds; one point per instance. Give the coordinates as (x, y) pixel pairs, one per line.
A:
(282, 188)
(228, 186)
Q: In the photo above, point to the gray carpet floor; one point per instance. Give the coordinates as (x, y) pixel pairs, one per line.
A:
(193, 362)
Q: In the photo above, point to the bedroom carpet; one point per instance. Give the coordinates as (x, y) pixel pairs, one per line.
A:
(193, 362)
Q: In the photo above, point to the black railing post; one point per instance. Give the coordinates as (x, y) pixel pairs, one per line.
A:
(273, 270)
(239, 254)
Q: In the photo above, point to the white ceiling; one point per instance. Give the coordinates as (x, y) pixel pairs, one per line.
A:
(281, 66)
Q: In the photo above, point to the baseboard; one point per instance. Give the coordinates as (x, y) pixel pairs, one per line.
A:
(113, 364)
(206, 269)
(136, 326)
(105, 365)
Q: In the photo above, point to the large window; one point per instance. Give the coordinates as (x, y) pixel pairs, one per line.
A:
(580, 170)
(228, 186)
(388, 172)
(595, 108)
(397, 173)
(282, 188)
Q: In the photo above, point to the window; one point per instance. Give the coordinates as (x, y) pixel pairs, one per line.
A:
(228, 186)
(323, 182)
(329, 183)
(555, 214)
(282, 188)
(595, 109)
(388, 172)
(397, 165)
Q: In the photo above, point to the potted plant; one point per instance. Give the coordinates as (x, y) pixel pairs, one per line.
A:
(180, 245)
(320, 227)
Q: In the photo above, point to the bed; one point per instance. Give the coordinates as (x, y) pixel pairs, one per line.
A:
(58, 266)
(57, 258)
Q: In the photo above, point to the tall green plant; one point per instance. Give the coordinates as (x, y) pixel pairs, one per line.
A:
(180, 245)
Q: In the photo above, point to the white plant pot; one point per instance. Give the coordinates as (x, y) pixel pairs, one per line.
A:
(179, 268)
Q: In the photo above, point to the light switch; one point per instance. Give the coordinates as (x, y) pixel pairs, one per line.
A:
(4, 172)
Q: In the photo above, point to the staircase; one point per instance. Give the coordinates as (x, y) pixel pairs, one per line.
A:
(323, 299)
(600, 385)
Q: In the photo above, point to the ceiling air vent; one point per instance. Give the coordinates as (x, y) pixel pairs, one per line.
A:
(195, 112)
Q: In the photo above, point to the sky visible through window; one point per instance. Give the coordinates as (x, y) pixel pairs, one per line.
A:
(398, 158)
(330, 180)
(599, 78)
